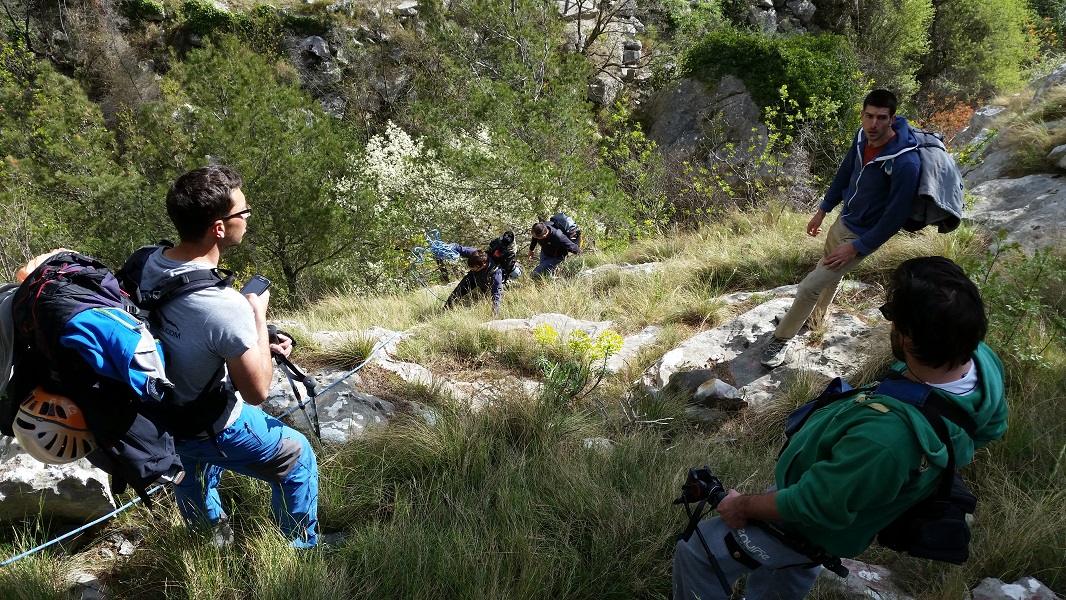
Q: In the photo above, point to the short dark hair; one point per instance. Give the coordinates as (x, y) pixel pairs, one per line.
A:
(479, 258)
(881, 99)
(934, 303)
(199, 198)
(539, 230)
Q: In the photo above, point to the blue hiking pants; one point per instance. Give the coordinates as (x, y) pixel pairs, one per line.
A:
(259, 446)
(547, 265)
(776, 571)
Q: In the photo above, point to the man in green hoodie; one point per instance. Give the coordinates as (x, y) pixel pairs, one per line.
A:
(857, 464)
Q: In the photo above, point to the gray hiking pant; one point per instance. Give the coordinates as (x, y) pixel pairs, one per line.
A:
(776, 571)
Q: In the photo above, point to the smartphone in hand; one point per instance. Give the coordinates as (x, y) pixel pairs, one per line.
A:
(256, 285)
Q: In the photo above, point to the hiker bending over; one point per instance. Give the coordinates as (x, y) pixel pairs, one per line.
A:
(219, 359)
(554, 246)
(859, 462)
(875, 185)
(484, 277)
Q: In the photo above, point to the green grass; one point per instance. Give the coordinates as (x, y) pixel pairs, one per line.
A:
(510, 502)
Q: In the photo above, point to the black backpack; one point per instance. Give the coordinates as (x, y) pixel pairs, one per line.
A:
(199, 415)
(66, 349)
(565, 223)
(935, 527)
(502, 253)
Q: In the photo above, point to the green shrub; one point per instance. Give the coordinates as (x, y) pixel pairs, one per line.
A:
(202, 17)
(892, 41)
(305, 24)
(977, 48)
(810, 67)
(141, 9)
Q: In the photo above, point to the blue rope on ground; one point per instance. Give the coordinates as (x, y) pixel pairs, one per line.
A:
(428, 289)
(379, 346)
(438, 249)
(78, 530)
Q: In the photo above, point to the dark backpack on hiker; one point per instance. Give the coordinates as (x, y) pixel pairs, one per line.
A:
(939, 198)
(502, 253)
(563, 222)
(935, 527)
(199, 415)
(76, 334)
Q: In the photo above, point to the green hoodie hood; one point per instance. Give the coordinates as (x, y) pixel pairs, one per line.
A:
(985, 404)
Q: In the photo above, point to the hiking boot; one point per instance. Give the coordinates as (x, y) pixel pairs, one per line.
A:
(336, 539)
(221, 534)
(775, 353)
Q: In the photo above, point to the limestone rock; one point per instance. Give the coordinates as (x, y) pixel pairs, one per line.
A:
(980, 121)
(76, 492)
(1032, 209)
(1025, 588)
(738, 346)
(632, 345)
(564, 324)
(690, 113)
(865, 581)
(625, 268)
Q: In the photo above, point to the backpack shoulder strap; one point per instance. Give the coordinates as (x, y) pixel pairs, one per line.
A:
(185, 283)
(925, 398)
(936, 409)
(171, 287)
(838, 389)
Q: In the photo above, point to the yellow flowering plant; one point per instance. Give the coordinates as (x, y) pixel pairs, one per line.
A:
(575, 365)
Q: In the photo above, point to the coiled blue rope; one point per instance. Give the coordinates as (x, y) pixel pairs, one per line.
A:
(78, 530)
(438, 249)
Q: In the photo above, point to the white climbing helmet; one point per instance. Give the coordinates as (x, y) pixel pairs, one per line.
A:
(51, 428)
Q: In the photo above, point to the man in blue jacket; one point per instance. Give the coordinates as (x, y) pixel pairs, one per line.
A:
(554, 246)
(875, 183)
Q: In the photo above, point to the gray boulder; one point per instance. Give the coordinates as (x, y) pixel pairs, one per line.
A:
(1026, 588)
(624, 268)
(702, 386)
(1032, 209)
(980, 121)
(76, 492)
(737, 346)
(691, 114)
(864, 581)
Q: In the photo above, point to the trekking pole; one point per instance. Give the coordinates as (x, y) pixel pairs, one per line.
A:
(294, 374)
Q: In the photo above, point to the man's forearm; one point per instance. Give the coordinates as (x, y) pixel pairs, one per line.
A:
(736, 509)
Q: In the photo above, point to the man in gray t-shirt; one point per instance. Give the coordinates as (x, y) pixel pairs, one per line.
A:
(219, 358)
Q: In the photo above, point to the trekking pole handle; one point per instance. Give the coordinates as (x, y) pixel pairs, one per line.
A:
(272, 331)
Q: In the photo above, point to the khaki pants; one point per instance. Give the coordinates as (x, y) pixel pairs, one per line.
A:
(817, 289)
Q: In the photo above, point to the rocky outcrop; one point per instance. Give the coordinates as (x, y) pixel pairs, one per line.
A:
(1032, 208)
(1026, 588)
(690, 114)
(76, 492)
